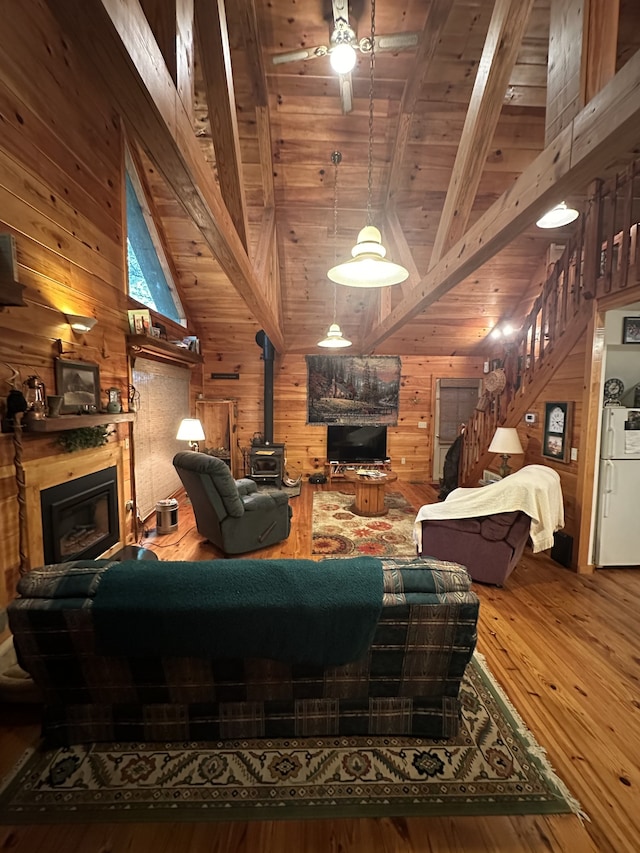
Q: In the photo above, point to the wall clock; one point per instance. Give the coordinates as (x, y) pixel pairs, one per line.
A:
(557, 431)
(613, 391)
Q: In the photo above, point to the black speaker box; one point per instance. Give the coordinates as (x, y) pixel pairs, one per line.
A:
(562, 549)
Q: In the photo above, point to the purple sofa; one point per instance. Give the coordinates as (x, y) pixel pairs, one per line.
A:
(489, 546)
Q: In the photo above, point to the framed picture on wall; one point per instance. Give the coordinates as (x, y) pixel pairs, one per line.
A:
(631, 330)
(557, 431)
(78, 383)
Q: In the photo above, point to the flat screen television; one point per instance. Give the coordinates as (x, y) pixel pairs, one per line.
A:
(356, 443)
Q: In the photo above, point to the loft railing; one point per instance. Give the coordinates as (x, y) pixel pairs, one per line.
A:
(601, 258)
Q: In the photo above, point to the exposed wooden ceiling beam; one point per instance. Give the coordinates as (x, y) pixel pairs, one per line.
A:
(404, 250)
(499, 55)
(600, 139)
(264, 248)
(215, 58)
(118, 39)
(431, 33)
(246, 9)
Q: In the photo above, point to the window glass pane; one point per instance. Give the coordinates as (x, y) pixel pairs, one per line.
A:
(147, 281)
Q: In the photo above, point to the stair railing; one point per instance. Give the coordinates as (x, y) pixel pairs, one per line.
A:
(602, 257)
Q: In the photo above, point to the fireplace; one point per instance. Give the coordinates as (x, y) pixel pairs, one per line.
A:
(80, 517)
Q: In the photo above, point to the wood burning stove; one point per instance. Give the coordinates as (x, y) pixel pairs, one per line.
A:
(266, 463)
(266, 460)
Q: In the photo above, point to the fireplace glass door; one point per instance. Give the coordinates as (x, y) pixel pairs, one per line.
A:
(80, 517)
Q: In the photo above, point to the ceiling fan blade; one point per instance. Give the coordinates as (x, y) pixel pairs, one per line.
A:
(340, 11)
(393, 41)
(297, 55)
(346, 92)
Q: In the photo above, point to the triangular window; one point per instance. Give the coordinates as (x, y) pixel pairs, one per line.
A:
(150, 281)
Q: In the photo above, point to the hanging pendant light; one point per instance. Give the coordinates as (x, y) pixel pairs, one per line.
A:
(558, 216)
(335, 339)
(368, 266)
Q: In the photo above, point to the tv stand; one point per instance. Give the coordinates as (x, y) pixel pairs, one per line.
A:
(335, 470)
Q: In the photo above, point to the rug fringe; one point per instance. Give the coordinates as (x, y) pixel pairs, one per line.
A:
(538, 752)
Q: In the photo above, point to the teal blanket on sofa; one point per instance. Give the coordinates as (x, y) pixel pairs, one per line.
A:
(302, 611)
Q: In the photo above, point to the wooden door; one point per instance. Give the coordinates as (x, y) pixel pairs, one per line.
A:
(455, 401)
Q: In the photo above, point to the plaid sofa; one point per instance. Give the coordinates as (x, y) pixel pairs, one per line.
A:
(407, 683)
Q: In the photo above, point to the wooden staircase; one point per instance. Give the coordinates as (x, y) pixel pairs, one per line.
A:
(602, 258)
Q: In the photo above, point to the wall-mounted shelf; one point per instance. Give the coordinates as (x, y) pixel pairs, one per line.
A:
(65, 422)
(155, 348)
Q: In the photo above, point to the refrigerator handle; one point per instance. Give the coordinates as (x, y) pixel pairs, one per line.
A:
(608, 441)
(608, 486)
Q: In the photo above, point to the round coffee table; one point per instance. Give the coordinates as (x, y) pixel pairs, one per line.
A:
(369, 492)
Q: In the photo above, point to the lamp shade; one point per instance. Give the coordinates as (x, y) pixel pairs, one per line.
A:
(558, 216)
(505, 441)
(190, 429)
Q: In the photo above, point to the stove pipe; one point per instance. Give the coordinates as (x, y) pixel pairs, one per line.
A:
(268, 354)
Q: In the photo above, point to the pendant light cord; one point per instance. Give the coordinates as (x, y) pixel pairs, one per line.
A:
(336, 159)
(372, 63)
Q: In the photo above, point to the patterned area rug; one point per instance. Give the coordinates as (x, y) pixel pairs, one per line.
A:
(338, 532)
(493, 766)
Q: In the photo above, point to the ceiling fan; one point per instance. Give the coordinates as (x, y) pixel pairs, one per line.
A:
(343, 47)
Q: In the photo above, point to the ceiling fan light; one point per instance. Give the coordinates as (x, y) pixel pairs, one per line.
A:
(342, 58)
(335, 338)
(558, 216)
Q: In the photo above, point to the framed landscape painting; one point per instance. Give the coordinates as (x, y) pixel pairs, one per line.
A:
(351, 389)
(78, 383)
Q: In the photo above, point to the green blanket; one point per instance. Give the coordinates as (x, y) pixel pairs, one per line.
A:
(289, 610)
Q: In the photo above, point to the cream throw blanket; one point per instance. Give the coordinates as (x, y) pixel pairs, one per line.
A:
(534, 489)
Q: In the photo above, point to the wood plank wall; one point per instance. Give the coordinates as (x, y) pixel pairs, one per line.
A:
(567, 386)
(306, 444)
(61, 197)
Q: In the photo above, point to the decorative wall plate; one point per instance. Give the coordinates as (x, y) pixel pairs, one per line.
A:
(495, 381)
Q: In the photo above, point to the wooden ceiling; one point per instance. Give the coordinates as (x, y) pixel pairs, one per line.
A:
(266, 132)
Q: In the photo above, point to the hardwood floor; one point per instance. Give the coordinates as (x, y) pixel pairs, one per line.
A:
(565, 648)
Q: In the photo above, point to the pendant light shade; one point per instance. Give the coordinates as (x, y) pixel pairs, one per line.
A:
(368, 266)
(558, 216)
(335, 338)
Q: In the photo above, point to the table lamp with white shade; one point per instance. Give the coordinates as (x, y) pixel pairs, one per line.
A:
(190, 430)
(505, 442)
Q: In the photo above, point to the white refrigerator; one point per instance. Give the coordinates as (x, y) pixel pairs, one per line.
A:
(617, 540)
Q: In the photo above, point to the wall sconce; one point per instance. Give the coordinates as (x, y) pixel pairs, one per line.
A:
(190, 430)
(80, 324)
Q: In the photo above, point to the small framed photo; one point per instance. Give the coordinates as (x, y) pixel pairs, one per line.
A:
(557, 431)
(139, 321)
(78, 383)
(631, 330)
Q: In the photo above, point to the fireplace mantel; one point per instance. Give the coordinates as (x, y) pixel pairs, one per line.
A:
(65, 422)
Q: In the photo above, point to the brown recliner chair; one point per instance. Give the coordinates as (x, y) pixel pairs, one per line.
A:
(489, 546)
(486, 529)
